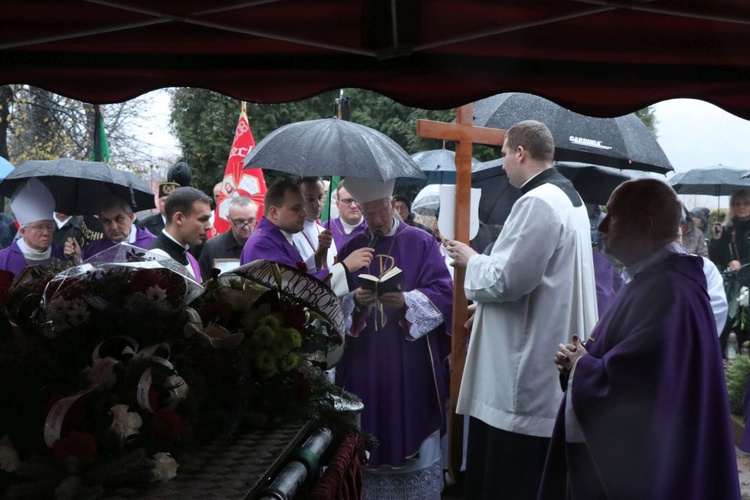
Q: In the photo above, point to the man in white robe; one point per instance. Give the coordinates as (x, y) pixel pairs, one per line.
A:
(533, 291)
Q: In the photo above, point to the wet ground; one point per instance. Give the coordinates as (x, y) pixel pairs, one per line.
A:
(743, 469)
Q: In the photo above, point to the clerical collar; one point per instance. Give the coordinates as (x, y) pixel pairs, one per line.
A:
(132, 235)
(165, 233)
(348, 228)
(552, 176)
(396, 222)
(287, 235)
(32, 254)
(61, 223)
(667, 250)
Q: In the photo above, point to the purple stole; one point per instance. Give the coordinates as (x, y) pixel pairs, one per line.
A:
(269, 243)
(143, 239)
(12, 259)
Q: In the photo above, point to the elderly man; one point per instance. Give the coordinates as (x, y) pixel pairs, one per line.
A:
(532, 291)
(32, 204)
(155, 223)
(242, 218)
(187, 210)
(314, 242)
(273, 238)
(645, 414)
(349, 222)
(117, 218)
(395, 358)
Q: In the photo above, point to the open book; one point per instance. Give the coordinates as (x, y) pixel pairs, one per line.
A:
(392, 281)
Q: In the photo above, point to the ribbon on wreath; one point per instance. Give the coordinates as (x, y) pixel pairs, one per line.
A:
(99, 374)
(144, 383)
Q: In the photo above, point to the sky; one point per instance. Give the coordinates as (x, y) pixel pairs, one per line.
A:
(696, 134)
(692, 133)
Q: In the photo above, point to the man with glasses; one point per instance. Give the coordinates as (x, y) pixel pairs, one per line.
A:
(33, 204)
(242, 217)
(349, 222)
(117, 217)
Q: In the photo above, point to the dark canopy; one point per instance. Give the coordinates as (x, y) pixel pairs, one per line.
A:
(593, 56)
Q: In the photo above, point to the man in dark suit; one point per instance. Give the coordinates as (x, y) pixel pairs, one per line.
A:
(243, 214)
(155, 223)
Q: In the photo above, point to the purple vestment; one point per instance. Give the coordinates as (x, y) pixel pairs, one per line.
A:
(608, 281)
(650, 398)
(12, 259)
(143, 239)
(401, 381)
(339, 235)
(269, 243)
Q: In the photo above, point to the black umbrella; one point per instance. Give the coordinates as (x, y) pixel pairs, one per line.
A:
(332, 147)
(718, 180)
(595, 183)
(623, 142)
(498, 196)
(79, 187)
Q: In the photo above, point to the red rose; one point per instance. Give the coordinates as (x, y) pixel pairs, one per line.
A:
(302, 386)
(296, 318)
(167, 427)
(302, 266)
(6, 279)
(219, 312)
(143, 279)
(75, 444)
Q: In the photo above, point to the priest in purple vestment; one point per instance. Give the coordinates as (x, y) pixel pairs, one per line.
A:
(645, 413)
(117, 217)
(32, 204)
(395, 357)
(272, 239)
(350, 222)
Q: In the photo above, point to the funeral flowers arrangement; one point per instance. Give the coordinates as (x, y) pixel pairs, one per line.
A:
(111, 371)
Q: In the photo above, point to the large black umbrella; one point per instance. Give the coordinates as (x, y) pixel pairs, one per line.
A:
(595, 183)
(623, 142)
(79, 187)
(718, 180)
(332, 147)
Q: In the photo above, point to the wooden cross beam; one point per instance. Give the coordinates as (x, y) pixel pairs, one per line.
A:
(465, 135)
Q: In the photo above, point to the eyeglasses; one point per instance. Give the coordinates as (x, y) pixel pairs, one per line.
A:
(242, 223)
(348, 201)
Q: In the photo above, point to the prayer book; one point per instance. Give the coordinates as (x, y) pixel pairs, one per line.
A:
(392, 281)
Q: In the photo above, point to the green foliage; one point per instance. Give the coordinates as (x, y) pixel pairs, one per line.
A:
(647, 116)
(204, 123)
(737, 372)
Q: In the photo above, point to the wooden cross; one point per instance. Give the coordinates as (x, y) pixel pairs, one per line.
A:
(465, 135)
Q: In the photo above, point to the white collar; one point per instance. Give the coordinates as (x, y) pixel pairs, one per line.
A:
(131, 236)
(31, 254)
(287, 235)
(348, 228)
(170, 237)
(667, 250)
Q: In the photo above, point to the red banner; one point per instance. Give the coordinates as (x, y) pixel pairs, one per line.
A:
(237, 180)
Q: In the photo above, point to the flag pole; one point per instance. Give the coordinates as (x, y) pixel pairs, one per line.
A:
(97, 133)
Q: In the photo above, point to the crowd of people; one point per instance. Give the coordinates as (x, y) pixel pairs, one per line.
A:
(594, 367)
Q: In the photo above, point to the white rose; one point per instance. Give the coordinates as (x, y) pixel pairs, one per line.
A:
(742, 299)
(8, 455)
(101, 373)
(125, 423)
(165, 467)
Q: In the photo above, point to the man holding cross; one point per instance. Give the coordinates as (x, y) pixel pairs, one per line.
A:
(533, 291)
